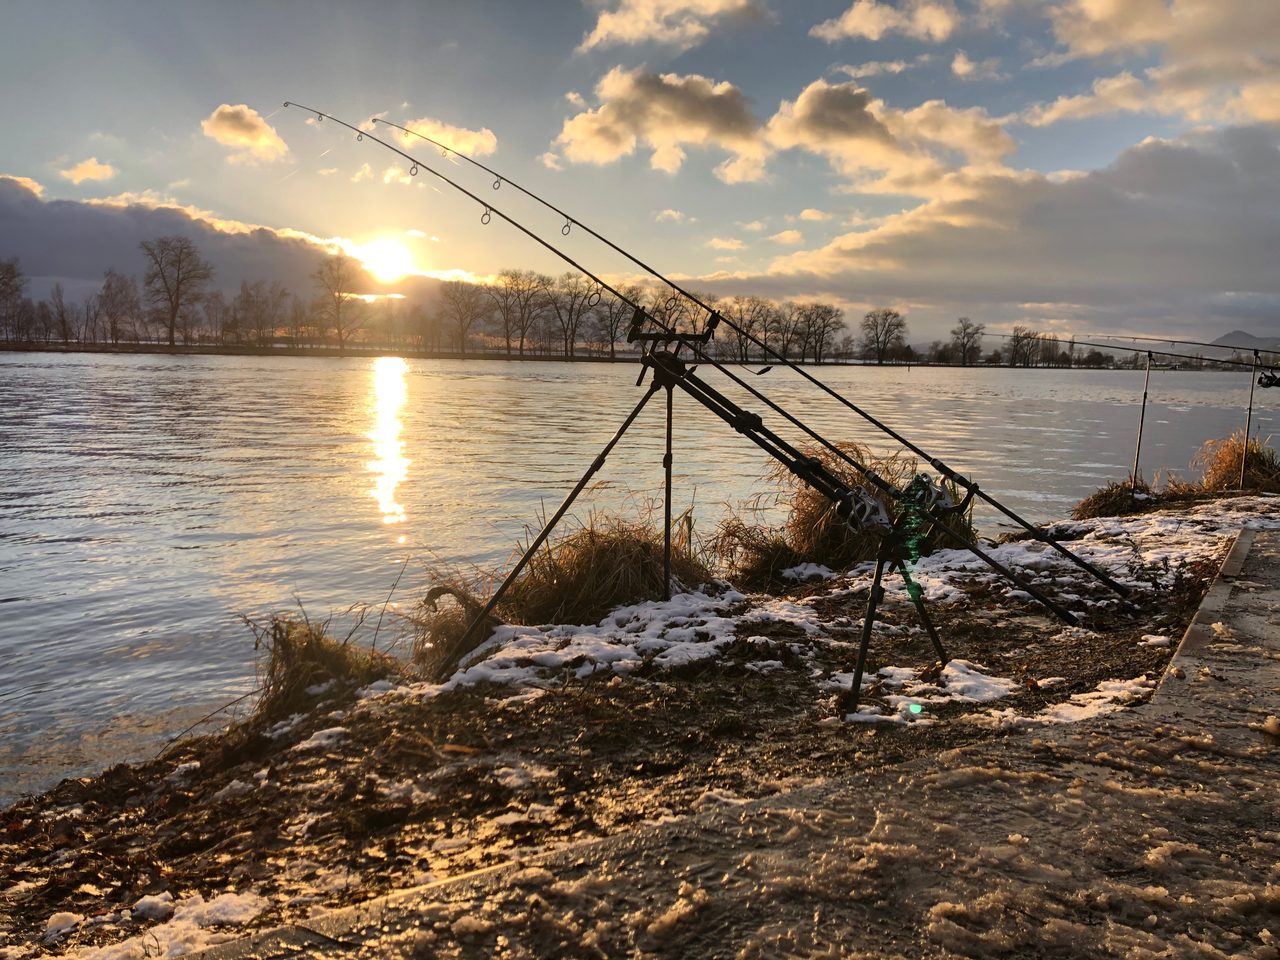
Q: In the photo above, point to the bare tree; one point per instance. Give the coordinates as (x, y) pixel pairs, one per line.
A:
(12, 285)
(335, 277)
(90, 318)
(1022, 350)
(298, 319)
(614, 314)
(821, 323)
(176, 278)
(882, 331)
(119, 301)
(62, 318)
(966, 340)
(569, 300)
(463, 306)
(749, 315)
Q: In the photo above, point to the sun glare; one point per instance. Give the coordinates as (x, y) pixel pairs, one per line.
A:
(387, 259)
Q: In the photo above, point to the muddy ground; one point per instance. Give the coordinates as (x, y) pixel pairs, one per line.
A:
(421, 789)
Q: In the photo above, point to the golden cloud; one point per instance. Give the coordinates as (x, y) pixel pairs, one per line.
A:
(89, 169)
(244, 130)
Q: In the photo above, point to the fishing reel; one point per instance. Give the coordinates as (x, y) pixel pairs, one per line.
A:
(924, 493)
(1269, 378)
(866, 514)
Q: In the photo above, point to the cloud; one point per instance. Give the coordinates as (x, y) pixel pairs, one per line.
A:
(243, 129)
(327, 171)
(929, 20)
(967, 69)
(725, 243)
(664, 114)
(89, 169)
(812, 214)
(679, 23)
(1216, 60)
(396, 174)
(755, 226)
(364, 173)
(469, 143)
(25, 182)
(913, 150)
(788, 238)
(669, 216)
(1172, 231)
(875, 68)
(1123, 93)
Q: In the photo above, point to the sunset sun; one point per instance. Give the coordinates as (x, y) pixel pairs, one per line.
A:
(387, 259)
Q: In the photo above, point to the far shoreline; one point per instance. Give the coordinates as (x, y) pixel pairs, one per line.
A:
(333, 353)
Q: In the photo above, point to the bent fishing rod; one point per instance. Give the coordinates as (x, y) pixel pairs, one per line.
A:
(1173, 341)
(971, 487)
(1252, 365)
(641, 315)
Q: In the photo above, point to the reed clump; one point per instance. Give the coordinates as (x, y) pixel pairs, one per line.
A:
(1116, 499)
(578, 578)
(1219, 464)
(300, 656)
(813, 532)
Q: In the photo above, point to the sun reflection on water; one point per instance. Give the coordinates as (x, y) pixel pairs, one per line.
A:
(390, 467)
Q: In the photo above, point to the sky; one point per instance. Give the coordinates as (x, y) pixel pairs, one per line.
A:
(1081, 165)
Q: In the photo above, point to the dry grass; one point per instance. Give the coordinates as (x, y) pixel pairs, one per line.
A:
(1219, 464)
(1219, 460)
(299, 655)
(1115, 500)
(440, 629)
(813, 531)
(578, 578)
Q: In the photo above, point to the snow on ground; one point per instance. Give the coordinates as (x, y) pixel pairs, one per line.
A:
(195, 923)
(696, 627)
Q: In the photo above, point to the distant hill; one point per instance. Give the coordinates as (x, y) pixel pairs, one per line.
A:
(1247, 341)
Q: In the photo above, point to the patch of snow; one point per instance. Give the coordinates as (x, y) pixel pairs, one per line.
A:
(157, 907)
(193, 926)
(236, 788)
(322, 738)
(1152, 640)
(806, 571)
(182, 771)
(62, 923)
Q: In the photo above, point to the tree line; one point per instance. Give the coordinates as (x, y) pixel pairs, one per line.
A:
(520, 313)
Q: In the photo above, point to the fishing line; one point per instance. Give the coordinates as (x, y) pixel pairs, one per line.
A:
(641, 315)
(1046, 338)
(968, 485)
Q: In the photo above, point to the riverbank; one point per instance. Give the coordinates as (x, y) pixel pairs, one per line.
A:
(563, 734)
(623, 355)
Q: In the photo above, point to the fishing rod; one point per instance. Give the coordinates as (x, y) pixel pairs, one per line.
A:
(1172, 341)
(970, 486)
(489, 209)
(737, 420)
(1046, 338)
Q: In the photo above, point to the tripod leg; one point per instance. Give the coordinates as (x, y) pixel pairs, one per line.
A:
(917, 598)
(563, 509)
(873, 600)
(666, 529)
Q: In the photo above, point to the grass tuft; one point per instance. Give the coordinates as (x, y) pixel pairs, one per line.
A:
(1115, 500)
(300, 656)
(578, 578)
(1219, 460)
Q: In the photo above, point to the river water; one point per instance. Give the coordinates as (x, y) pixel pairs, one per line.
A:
(147, 501)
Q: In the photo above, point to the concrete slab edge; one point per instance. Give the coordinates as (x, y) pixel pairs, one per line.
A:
(1200, 631)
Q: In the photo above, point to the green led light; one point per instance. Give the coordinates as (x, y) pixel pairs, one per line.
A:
(916, 708)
